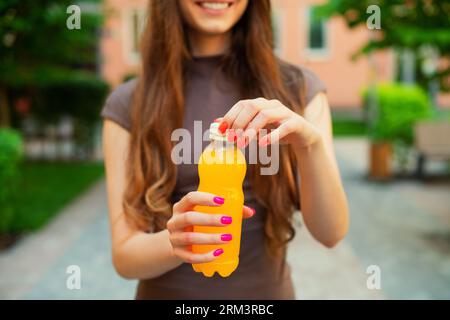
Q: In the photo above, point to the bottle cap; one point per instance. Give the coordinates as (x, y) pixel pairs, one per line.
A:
(214, 133)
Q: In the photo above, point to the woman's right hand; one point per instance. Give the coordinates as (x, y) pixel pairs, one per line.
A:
(184, 218)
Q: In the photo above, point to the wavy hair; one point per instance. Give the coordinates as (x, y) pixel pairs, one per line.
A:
(158, 107)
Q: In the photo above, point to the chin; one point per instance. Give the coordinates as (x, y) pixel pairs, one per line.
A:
(214, 28)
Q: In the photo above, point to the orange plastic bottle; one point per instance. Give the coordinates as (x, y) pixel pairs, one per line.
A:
(221, 169)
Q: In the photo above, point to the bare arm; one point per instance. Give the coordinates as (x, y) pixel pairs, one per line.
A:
(323, 200)
(136, 254)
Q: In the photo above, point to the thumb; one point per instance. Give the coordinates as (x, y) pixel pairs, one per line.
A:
(248, 212)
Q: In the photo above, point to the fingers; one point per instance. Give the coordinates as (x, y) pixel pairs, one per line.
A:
(193, 218)
(243, 111)
(194, 198)
(251, 116)
(248, 212)
(261, 120)
(182, 236)
(231, 115)
(248, 111)
(190, 257)
(279, 133)
(190, 238)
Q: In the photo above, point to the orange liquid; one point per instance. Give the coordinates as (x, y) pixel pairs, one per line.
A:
(222, 170)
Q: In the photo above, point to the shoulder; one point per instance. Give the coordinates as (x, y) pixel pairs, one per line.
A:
(118, 104)
(303, 79)
(123, 93)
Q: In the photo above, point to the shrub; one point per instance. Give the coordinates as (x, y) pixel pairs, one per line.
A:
(399, 108)
(78, 96)
(10, 157)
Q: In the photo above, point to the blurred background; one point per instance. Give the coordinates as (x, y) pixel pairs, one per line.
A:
(386, 68)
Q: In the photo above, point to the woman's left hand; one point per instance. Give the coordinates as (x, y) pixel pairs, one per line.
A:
(245, 119)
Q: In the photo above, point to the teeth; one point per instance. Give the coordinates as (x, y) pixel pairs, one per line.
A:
(214, 5)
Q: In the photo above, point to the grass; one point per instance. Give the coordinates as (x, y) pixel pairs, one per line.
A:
(45, 188)
(349, 127)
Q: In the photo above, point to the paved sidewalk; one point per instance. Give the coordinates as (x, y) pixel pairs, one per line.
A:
(402, 227)
(36, 266)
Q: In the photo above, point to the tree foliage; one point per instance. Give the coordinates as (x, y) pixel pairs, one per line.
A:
(37, 47)
(410, 24)
(399, 108)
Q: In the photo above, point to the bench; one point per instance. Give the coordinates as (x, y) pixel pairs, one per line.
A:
(432, 140)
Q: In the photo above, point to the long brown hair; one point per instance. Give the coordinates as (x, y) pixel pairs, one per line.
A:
(158, 108)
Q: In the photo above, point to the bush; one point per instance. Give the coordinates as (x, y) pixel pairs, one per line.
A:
(78, 96)
(399, 108)
(10, 157)
(81, 98)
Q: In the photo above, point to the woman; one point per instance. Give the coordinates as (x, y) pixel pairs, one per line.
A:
(202, 60)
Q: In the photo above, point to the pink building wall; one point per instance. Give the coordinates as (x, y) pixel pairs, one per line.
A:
(116, 63)
(345, 79)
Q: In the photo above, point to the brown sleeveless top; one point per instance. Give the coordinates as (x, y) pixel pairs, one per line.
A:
(209, 95)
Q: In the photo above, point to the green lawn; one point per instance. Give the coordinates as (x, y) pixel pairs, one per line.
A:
(348, 127)
(45, 188)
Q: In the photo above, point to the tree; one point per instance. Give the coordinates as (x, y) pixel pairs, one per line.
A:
(37, 47)
(418, 26)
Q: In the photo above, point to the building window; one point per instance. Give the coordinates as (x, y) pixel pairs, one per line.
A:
(134, 22)
(276, 30)
(317, 39)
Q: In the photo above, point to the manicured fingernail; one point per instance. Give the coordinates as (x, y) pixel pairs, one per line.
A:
(253, 211)
(226, 220)
(218, 252)
(219, 200)
(223, 127)
(226, 237)
(231, 136)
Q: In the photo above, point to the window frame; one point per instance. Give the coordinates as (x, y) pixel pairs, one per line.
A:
(323, 53)
(278, 28)
(132, 57)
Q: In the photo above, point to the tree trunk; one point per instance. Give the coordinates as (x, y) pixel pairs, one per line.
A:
(5, 120)
(380, 161)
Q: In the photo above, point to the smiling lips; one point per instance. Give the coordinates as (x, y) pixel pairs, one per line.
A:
(215, 5)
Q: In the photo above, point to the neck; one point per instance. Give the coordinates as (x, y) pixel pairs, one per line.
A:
(203, 45)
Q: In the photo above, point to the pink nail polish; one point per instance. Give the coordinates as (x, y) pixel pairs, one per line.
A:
(223, 127)
(231, 136)
(218, 252)
(219, 200)
(226, 220)
(226, 237)
(253, 211)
